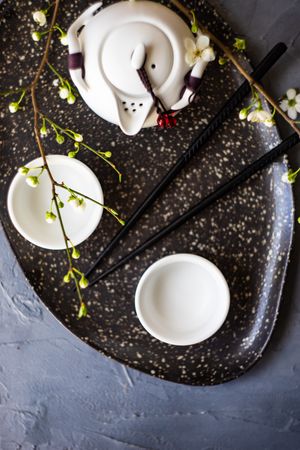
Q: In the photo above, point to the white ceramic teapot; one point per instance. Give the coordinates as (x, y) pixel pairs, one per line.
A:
(129, 63)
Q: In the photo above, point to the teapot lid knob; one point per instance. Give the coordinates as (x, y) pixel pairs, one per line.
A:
(138, 57)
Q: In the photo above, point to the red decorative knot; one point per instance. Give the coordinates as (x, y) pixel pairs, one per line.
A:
(165, 120)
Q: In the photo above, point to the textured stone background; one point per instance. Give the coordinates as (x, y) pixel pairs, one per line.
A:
(56, 393)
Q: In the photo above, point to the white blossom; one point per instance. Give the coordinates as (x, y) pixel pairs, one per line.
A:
(291, 104)
(39, 17)
(261, 116)
(198, 50)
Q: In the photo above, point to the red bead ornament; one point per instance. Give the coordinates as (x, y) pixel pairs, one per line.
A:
(165, 120)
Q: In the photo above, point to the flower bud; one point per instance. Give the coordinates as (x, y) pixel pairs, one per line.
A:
(222, 61)
(194, 28)
(39, 17)
(13, 107)
(76, 145)
(55, 82)
(82, 310)
(83, 282)
(32, 181)
(243, 114)
(107, 154)
(67, 277)
(63, 39)
(77, 203)
(78, 137)
(239, 44)
(63, 92)
(36, 36)
(75, 253)
(72, 154)
(50, 217)
(61, 204)
(60, 139)
(43, 131)
(269, 123)
(71, 99)
(23, 170)
(290, 176)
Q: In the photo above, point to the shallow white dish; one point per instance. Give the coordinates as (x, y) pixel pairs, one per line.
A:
(182, 299)
(27, 206)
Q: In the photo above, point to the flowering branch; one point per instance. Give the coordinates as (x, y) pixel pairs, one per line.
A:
(76, 199)
(235, 62)
(82, 310)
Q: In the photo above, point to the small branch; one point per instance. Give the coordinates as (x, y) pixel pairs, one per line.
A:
(66, 239)
(107, 208)
(55, 72)
(236, 63)
(15, 91)
(83, 144)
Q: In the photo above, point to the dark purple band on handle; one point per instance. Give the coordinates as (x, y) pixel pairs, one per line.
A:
(75, 61)
(191, 83)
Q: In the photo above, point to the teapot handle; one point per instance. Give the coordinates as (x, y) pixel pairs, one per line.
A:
(191, 87)
(76, 63)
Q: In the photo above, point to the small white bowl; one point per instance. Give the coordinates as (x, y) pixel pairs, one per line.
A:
(182, 299)
(27, 206)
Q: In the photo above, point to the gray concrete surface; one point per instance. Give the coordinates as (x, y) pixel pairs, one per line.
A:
(57, 393)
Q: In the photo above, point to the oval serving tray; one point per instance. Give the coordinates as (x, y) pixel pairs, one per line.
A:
(247, 234)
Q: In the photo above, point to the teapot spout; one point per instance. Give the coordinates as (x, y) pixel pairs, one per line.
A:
(133, 114)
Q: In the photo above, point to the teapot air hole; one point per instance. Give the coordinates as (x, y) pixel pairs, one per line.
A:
(124, 103)
(125, 109)
(134, 110)
(153, 66)
(80, 30)
(97, 11)
(132, 104)
(141, 104)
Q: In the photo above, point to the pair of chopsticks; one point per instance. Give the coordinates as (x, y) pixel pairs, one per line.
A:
(222, 190)
(207, 201)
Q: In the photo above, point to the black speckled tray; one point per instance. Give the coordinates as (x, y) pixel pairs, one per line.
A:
(247, 234)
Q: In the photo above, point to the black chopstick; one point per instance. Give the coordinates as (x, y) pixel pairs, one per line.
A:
(269, 60)
(207, 201)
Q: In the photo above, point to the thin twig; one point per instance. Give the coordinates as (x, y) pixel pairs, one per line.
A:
(107, 208)
(236, 63)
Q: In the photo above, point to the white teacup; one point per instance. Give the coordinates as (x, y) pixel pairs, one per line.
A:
(182, 299)
(27, 206)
